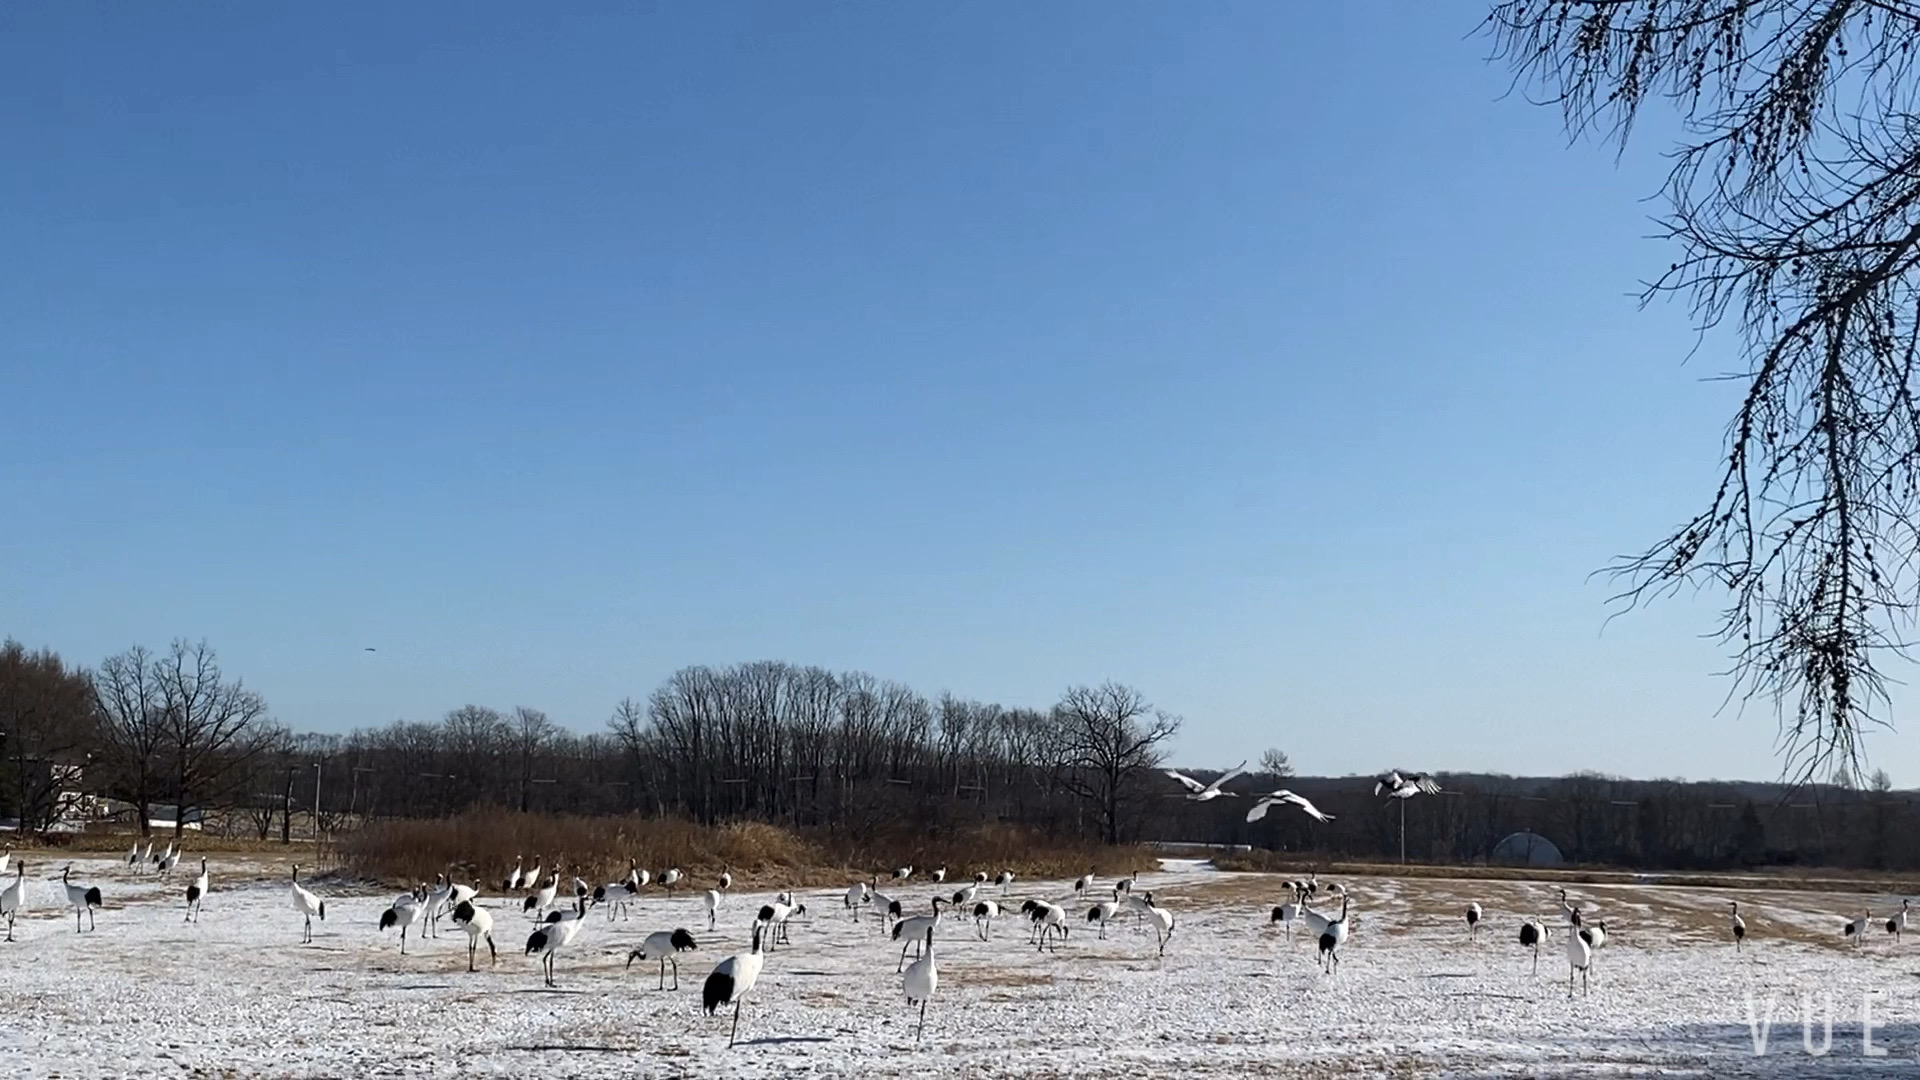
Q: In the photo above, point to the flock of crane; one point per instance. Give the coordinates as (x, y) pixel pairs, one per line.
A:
(557, 924)
(556, 919)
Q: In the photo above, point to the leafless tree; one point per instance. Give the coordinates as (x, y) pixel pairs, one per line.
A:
(633, 735)
(474, 739)
(266, 794)
(1794, 203)
(1104, 740)
(1276, 762)
(133, 722)
(48, 728)
(532, 735)
(211, 726)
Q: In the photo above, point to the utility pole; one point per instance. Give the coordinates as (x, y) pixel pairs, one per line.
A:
(316, 803)
(286, 810)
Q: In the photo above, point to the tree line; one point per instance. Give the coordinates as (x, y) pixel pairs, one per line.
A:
(843, 752)
(1590, 818)
(797, 745)
(790, 744)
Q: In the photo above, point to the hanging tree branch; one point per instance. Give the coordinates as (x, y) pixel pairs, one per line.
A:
(1794, 202)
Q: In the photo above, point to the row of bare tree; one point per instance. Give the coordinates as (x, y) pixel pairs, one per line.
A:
(842, 752)
(770, 741)
(773, 741)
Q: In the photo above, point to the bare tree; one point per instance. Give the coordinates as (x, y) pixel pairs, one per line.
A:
(211, 726)
(1104, 740)
(267, 783)
(133, 719)
(48, 726)
(532, 734)
(1794, 202)
(1276, 762)
(632, 733)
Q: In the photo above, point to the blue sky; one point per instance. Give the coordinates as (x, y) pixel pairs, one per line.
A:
(1267, 359)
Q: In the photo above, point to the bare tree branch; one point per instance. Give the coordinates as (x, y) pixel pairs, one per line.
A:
(1794, 201)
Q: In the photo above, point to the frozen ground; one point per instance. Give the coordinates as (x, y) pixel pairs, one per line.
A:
(237, 994)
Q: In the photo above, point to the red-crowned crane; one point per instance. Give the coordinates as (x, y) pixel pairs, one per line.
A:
(732, 980)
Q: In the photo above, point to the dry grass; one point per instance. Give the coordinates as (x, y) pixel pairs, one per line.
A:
(482, 845)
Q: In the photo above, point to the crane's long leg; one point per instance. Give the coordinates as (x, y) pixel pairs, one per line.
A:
(734, 1035)
(922, 1029)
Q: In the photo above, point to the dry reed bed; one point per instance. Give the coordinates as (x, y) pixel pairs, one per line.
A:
(483, 845)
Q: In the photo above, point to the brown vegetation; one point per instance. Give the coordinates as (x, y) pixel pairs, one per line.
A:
(483, 844)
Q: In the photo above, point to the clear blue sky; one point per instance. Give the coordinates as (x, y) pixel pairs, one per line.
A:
(1263, 358)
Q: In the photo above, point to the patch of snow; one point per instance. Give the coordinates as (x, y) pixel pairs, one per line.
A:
(237, 994)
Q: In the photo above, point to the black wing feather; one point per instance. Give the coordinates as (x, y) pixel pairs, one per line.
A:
(717, 992)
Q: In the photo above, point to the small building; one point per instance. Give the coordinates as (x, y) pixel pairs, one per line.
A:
(1526, 849)
(162, 816)
(57, 799)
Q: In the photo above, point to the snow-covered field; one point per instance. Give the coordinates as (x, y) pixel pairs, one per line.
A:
(237, 994)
